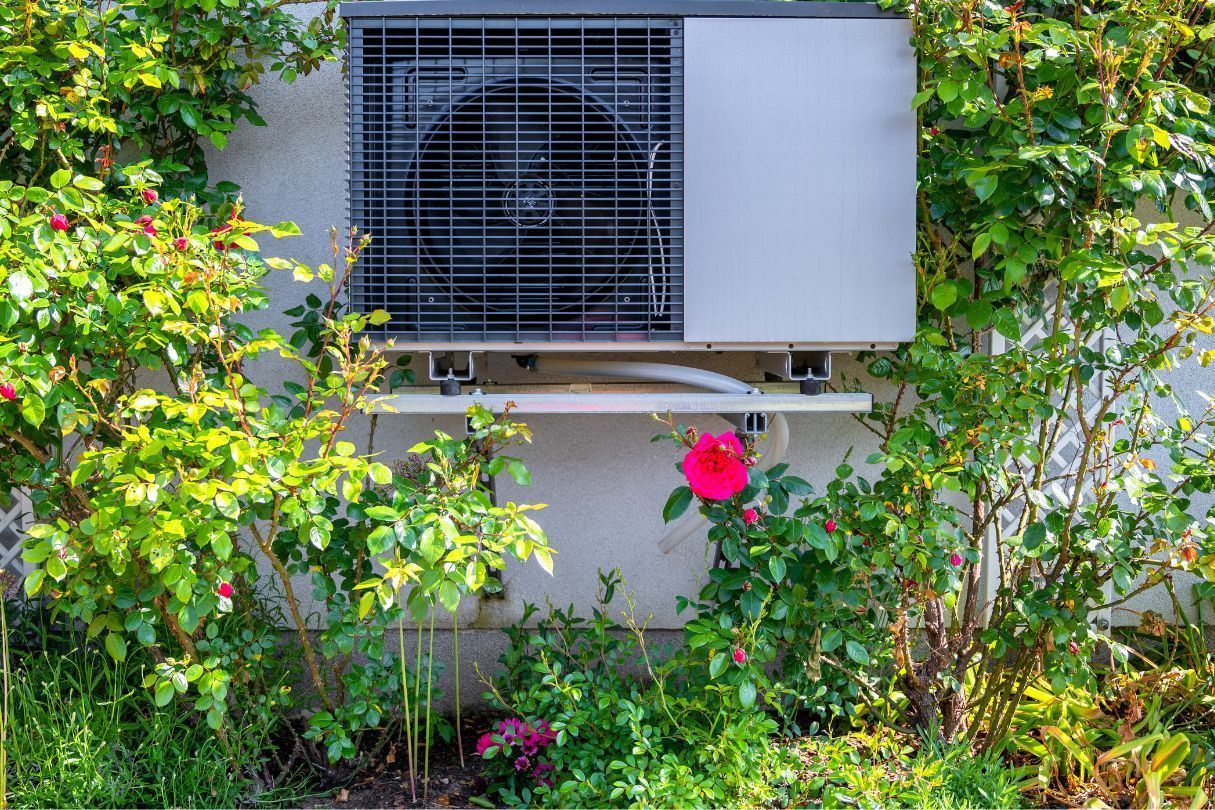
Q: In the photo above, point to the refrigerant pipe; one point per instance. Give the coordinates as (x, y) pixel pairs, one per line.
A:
(778, 427)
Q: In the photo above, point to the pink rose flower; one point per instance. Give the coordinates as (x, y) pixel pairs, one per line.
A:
(225, 590)
(714, 467)
(150, 196)
(181, 243)
(150, 230)
(955, 559)
(750, 516)
(59, 222)
(8, 391)
(740, 655)
(1073, 647)
(830, 525)
(144, 220)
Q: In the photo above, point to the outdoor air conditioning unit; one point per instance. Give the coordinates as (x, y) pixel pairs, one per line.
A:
(596, 175)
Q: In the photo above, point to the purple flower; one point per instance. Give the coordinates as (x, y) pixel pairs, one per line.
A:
(522, 764)
(543, 774)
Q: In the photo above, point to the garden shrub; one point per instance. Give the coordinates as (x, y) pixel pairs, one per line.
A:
(159, 471)
(596, 716)
(1065, 173)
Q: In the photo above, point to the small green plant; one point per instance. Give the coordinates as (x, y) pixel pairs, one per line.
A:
(878, 769)
(600, 718)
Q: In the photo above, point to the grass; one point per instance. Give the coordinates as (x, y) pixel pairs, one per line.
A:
(83, 732)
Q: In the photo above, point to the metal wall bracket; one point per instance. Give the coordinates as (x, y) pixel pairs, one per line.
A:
(448, 371)
(796, 366)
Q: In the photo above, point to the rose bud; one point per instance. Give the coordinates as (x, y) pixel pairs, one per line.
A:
(955, 559)
(225, 590)
(59, 222)
(740, 655)
(150, 196)
(144, 220)
(830, 525)
(750, 516)
(8, 391)
(181, 243)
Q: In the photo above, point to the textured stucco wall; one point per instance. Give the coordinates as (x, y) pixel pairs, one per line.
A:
(605, 482)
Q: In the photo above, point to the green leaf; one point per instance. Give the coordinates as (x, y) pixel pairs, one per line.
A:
(746, 694)
(222, 545)
(116, 646)
(519, 472)
(677, 504)
(1034, 535)
(164, 693)
(857, 652)
(20, 286)
(776, 566)
(33, 409)
(717, 664)
(985, 186)
(449, 595)
(943, 295)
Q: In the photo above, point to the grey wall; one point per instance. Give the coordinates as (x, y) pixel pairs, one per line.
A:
(604, 480)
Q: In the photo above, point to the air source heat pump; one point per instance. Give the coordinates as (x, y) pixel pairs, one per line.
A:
(579, 175)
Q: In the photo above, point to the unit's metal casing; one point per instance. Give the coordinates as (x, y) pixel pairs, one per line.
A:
(797, 182)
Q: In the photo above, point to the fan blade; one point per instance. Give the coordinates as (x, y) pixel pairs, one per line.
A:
(456, 218)
(516, 129)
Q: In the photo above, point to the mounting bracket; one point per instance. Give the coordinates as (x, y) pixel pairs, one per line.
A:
(443, 368)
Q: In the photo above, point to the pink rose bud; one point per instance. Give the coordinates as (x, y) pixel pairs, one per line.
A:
(830, 525)
(955, 559)
(8, 391)
(750, 516)
(144, 220)
(225, 590)
(740, 655)
(150, 230)
(59, 222)
(150, 196)
(181, 243)
(1073, 647)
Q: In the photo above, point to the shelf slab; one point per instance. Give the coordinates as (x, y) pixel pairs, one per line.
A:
(625, 403)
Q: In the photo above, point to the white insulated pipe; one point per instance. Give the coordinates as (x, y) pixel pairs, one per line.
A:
(778, 426)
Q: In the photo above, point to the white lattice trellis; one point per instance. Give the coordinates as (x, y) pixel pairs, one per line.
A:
(13, 522)
(1064, 458)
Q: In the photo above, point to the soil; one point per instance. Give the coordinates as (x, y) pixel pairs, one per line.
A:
(388, 785)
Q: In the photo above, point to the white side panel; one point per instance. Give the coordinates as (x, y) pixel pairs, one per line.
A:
(800, 180)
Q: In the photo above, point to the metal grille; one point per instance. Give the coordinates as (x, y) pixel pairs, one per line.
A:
(520, 177)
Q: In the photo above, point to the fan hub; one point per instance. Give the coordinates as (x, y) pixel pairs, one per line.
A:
(528, 202)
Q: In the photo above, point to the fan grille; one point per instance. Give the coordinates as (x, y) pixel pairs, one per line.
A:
(520, 177)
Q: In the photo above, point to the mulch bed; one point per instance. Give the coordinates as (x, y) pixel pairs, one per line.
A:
(388, 786)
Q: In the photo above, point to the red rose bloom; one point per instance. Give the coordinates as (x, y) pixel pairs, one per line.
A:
(830, 525)
(225, 590)
(59, 222)
(955, 559)
(750, 516)
(150, 196)
(714, 467)
(8, 391)
(219, 243)
(740, 655)
(181, 243)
